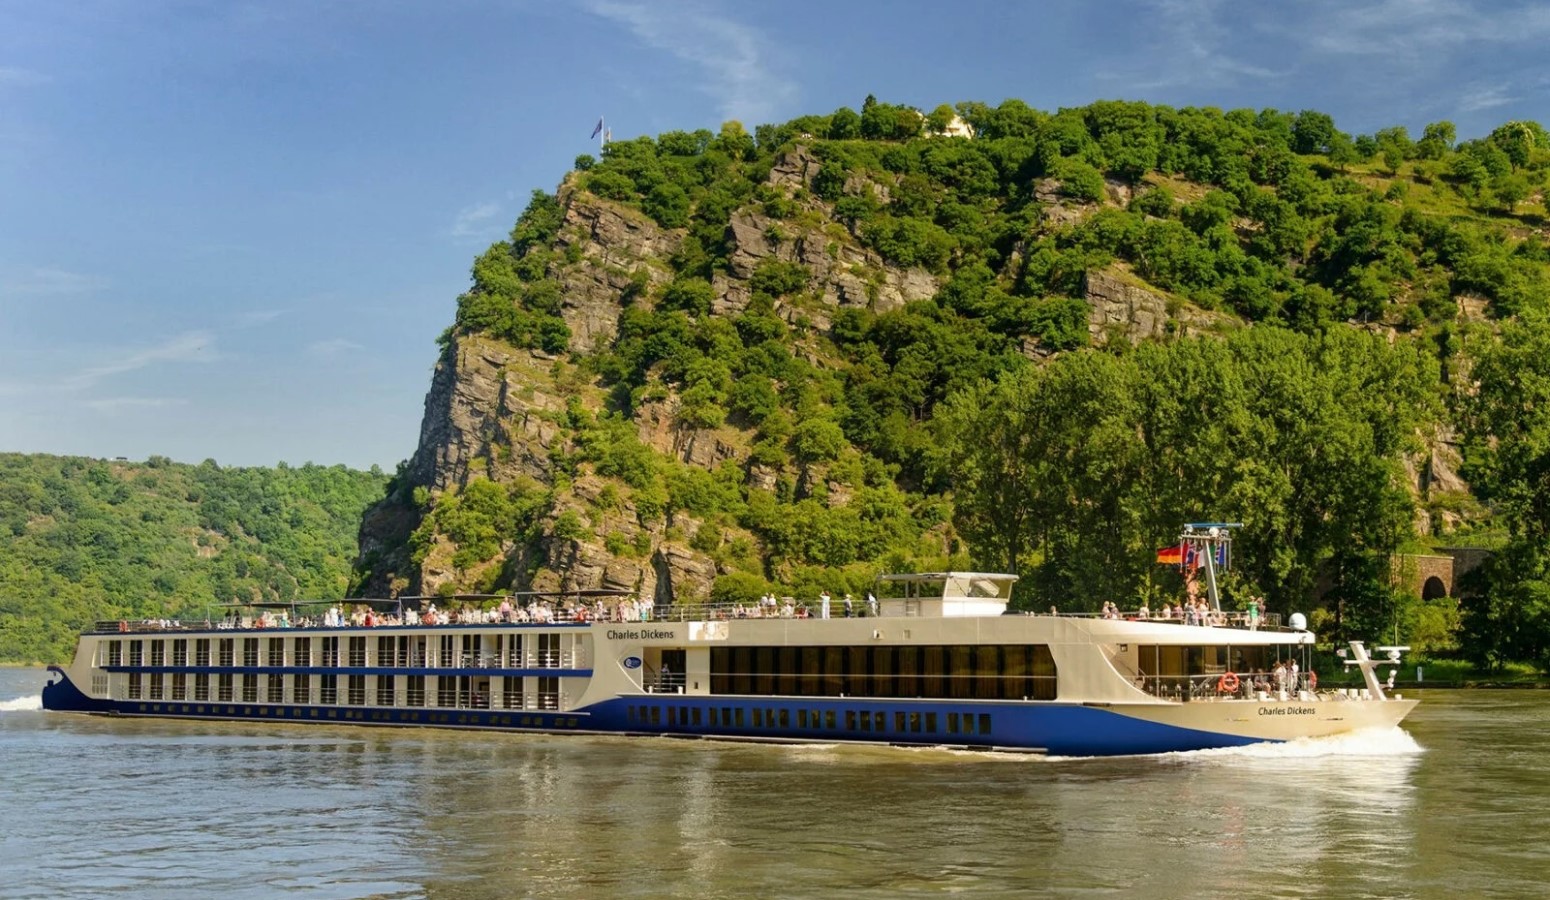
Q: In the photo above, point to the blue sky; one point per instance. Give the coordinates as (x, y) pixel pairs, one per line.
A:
(233, 230)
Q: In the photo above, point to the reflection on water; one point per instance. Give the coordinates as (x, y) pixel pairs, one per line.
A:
(103, 806)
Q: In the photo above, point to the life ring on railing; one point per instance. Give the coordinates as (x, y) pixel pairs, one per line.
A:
(1313, 681)
(1228, 683)
(123, 626)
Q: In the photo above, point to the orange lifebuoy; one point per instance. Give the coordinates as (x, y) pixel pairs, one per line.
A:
(1313, 681)
(1228, 683)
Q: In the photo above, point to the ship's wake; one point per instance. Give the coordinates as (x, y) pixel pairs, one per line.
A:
(22, 704)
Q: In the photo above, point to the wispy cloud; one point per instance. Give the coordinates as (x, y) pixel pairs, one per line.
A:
(127, 404)
(191, 346)
(333, 347)
(255, 317)
(1198, 50)
(1417, 29)
(475, 221)
(733, 54)
(1487, 97)
(13, 76)
(41, 282)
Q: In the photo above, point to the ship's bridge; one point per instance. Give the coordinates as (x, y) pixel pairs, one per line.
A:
(933, 594)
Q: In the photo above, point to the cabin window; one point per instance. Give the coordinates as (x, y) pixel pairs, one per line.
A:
(696, 717)
(156, 686)
(739, 714)
(549, 693)
(514, 651)
(202, 686)
(415, 691)
(250, 651)
(385, 651)
(961, 671)
(180, 685)
(276, 692)
(180, 652)
(276, 653)
(331, 652)
(301, 688)
(223, 692)
(829, 719)
(511, 692)
(385, 691)
(136, 653)
(202, 652)
(227, 648)
(985, 723)
(357, 686)
(250, 685)
(446, 690)
(114, 653)
(898, 721)
(134, 686)
(548, 651)
(358, 652)
(952, 723)
(158, 654)
(302, 652)
(446, 654)
(915, 722)
(328, 688)
(931, 722)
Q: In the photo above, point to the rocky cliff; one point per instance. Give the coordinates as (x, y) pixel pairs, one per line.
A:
(519, 416)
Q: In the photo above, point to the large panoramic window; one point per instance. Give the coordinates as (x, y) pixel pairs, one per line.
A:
(964, 671)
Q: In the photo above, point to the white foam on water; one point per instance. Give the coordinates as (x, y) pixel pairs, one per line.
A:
(1371, 742)
(22, 704)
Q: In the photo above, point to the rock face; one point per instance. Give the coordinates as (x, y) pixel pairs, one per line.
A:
(1121, 307)
(498, 412)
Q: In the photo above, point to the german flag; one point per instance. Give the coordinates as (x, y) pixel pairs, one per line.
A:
(1171, 556)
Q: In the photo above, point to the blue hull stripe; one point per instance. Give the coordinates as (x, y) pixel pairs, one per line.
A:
(1059, 729)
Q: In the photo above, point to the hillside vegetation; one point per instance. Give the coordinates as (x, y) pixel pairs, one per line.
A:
(893, 339)
(83, 540)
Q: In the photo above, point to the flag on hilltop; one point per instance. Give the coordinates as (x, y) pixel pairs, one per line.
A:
(598, 129)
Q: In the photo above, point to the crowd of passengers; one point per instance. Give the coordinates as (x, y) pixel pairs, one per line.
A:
(540, 612)
(1190, 611)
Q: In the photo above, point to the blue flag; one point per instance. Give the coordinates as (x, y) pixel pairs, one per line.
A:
(599, 129)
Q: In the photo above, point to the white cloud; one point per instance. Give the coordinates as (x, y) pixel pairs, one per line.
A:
(191, 346)
(333, 347)
(476, 220)
(732, 54)
(43, 281)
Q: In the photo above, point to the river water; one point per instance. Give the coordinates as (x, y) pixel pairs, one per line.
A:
(1452, 806)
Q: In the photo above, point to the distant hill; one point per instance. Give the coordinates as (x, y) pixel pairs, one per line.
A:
(713, 364)
(86, 539)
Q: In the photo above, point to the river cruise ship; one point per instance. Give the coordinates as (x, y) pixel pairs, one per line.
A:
(931, 660)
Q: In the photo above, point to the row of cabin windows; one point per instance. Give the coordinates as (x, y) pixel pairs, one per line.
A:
(953, 671)
(503, 651)
(453, 691)
(856, 721)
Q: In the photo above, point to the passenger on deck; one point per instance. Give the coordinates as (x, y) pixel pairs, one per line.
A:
(871, 603)
(823, 604)
(1143, 613)
(847, 605)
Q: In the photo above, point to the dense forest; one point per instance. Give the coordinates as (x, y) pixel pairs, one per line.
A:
(1339, 308)
(83, 540)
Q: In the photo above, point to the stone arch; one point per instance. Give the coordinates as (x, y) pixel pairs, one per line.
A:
(1433, 588)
